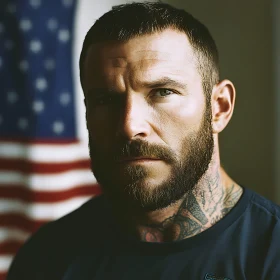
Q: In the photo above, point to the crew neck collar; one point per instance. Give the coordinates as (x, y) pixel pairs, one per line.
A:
(237, 211)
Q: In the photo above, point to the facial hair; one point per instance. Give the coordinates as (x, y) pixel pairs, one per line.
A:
(197, 150)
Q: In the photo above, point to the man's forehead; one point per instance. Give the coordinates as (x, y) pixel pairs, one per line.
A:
(121, 59)
(164, 47)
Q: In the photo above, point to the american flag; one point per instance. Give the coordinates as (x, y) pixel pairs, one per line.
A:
(44, 166)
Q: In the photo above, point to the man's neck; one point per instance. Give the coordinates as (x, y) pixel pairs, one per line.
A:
(213, 197)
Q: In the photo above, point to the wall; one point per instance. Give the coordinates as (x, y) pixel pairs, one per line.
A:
(276, 87)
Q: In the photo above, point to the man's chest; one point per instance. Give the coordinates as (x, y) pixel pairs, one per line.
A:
(178, 266)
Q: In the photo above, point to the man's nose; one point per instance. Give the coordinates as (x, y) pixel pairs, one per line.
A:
(134, 118)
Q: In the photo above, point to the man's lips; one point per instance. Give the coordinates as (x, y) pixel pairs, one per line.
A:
(137, 159)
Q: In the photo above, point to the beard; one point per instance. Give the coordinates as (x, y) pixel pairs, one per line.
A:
(132, 192)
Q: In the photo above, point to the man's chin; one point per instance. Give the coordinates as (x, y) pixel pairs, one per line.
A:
(142, 197)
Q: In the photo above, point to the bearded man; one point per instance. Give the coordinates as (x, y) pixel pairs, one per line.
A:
(155, 106)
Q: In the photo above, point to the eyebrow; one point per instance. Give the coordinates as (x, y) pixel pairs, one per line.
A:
(159, 83)
(164, 82)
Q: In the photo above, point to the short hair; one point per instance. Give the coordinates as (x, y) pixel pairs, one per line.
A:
(124, 22)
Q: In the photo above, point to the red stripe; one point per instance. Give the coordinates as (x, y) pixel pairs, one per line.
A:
(3, 275)
(10, 247)
(20, 141)
(21, 222)
(27, 167)
(24, 194)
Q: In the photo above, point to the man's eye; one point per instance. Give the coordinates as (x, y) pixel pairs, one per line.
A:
(103, 100)
(163, 92)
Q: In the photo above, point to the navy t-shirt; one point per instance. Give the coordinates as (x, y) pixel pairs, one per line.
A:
(86, 245)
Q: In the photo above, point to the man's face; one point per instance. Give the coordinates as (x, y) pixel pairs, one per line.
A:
(144, 98)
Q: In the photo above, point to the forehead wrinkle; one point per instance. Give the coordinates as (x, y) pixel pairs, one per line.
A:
(158, 70)
(152, 55)
(118, 62)
(151, 51)
(126, 62)
(146, 54)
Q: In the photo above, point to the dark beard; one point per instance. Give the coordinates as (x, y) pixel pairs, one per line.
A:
(197, 150)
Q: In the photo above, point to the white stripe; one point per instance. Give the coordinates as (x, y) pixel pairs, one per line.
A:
(7, 234)
(5, 262)
(48, 182)
(41, 211)
(43, 152)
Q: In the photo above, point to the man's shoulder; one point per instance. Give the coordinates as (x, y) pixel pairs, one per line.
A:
(263, 207)
(262, 231)
(78, 223)
(56, 244)
(93, 208)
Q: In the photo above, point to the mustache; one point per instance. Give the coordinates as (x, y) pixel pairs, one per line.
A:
(140, 148)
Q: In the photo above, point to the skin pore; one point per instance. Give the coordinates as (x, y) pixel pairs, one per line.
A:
(144, 97)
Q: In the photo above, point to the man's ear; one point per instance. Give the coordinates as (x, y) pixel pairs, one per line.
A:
(223, 100)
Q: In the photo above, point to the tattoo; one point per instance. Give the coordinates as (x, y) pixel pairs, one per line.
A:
(150, 236)
(187, 227)
(225, 211)
(203, 198)
(232, 197)
(215, 219)
(195, 216)
(193, 207)
(189, 221)
(229, 201)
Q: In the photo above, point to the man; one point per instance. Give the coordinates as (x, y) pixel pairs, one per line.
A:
(154, 108)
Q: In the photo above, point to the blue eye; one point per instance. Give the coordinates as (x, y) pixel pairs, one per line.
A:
(164, 91)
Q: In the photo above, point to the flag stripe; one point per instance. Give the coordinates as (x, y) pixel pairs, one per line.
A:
(44, 211)
(32, 141)
(49, 182)
(3, 275)
(5, 262)
(10, 247)
(44, 152)
(19, 192)
(10, 223)
(28, 167)
(12, 233)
